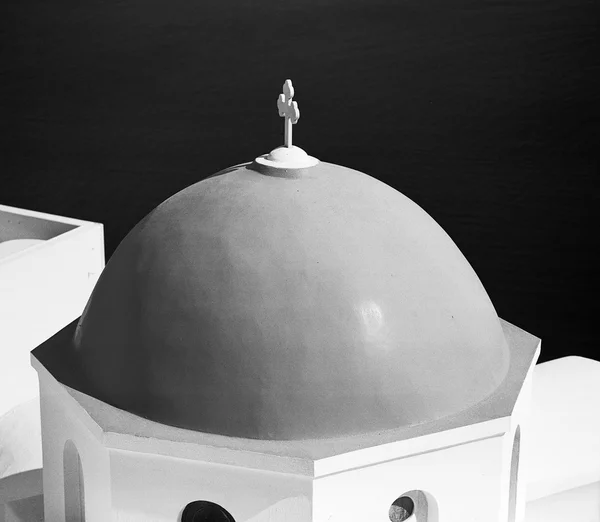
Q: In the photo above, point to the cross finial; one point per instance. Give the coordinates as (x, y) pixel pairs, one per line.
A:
(287, 156)
(288, 109)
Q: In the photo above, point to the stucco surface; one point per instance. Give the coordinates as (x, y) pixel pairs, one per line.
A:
(285, 305)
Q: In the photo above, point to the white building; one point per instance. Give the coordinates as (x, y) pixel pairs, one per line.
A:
(289, 340)
(48, 267)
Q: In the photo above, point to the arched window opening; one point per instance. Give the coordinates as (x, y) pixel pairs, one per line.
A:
(73, 484)
(204, 511)
(414, 506)
(514, 476)
(401, 509)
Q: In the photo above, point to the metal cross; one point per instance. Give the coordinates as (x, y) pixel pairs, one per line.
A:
(288, 109)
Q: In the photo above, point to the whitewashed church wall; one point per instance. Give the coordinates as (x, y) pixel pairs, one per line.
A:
(155, 488)
(517, 441)
(462, 483)
(61, 422)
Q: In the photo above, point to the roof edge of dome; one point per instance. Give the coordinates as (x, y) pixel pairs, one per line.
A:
(524, 348)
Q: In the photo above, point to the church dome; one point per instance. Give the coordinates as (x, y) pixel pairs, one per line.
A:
(286, 304)
(289, 299)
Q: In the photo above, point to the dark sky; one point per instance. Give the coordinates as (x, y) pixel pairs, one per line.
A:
(484, 112)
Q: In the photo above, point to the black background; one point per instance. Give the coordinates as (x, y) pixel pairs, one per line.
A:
(484, 112)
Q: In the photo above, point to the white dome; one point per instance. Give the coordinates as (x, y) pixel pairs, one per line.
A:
(289, 304)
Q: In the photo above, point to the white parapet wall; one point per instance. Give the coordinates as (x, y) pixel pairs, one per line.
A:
(48, 267)
(564, 449)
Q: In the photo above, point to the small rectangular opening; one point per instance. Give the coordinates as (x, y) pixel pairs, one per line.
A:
(17, 226)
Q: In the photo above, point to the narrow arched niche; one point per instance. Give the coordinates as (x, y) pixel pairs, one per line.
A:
(73, 481)
(205, 511)
(514, 476)
(414, 506)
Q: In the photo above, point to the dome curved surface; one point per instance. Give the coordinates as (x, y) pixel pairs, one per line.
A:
(279, 305)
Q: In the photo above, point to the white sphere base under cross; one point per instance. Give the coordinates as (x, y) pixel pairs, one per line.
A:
(287, 158)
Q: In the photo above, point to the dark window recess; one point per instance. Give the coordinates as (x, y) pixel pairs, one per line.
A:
(401, 509)
(204, 511)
